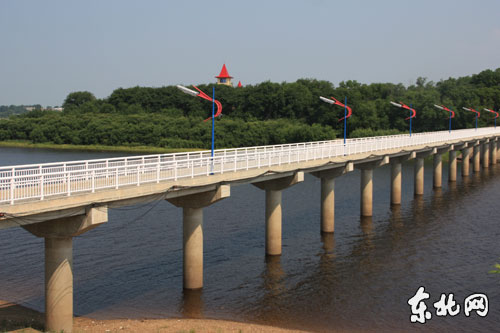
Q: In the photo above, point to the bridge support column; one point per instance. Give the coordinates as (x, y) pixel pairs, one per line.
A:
(273, 190)
(58, 234)
(477, 158)
(438, 170)
(486, 154)
(366, 192)
(192, 235)
(396, 165)
(366, 188)
(465, 162)
(452, 166)
(419, 176)
(395, 183)
(493, 151)
(328, 195)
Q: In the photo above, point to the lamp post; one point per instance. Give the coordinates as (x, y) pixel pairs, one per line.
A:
(346, 113)
(452, 113)
(496, 115)
(201, 94)
(413, 113)
(478, 114)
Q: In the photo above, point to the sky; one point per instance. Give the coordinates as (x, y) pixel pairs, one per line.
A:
(54, 47)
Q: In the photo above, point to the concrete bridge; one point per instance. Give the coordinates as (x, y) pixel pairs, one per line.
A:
(59, 201)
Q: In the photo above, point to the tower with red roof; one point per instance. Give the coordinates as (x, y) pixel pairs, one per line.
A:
(224, 77)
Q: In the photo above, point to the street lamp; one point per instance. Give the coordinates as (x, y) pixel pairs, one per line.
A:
(346, 114)
(201, 94)
(472, 110)
(413, 113)
(496, 115)
(452, 113)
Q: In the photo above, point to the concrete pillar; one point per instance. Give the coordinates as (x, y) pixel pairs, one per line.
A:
(419, 176)
(452, 166)
(465, 162)
(273, 190)
(493, 151)
(477, 158)
(59, 284)
(395, 183)
(327, 204)
(486, 155)
(273, 222)
(327, 177)
(192, 231)
(366, 192)
(58, 235)
(193, 247)
(438, 170)
(498, 149)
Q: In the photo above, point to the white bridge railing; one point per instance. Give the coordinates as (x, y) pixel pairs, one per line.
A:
(40, 181)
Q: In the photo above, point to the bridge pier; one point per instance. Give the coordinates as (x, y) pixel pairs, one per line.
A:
(328, 195)
(477, 157)
(396, 167)
(486, 154)
(366, 184)
(438, 170)
(58, 234)
(273, 190)
(192, 234)
(438, 166)
(395, 183)
(419, 176)
(493, 150)
(466, 162)
(452, 166)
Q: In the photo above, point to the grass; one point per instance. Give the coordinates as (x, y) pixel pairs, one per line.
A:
(128, 149)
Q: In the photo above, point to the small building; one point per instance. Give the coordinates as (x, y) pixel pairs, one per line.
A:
(224, 77)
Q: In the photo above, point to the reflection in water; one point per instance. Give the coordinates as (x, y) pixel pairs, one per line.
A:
(192, 303)
(328, 240)
(274, 276)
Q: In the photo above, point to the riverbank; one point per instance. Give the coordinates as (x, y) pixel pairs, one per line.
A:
(125, 149)
(17, 318)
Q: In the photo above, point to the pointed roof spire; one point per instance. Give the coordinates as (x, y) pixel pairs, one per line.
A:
(239, 84)
(223, 73)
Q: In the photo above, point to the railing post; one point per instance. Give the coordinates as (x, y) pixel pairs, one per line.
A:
(192, 169)
(68, 183)
(12, 186)
(41, 187)
(175, 170)
(93, 181)
(158, 171)
(116, 177)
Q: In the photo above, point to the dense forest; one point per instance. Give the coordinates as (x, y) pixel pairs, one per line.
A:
(265, 113)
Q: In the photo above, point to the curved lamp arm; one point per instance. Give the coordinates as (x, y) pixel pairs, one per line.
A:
(472, 110)
(336, 102)
(496, 113)
(442, 107)
(201, 94)
(401, 105)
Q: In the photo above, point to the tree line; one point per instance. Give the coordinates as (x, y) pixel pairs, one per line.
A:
(261, 114)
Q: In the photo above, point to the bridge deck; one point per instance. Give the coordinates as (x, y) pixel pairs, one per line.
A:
(39, 189)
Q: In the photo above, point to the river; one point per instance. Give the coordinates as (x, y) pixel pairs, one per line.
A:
(360, 279)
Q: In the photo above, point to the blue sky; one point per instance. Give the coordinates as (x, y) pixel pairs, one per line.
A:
(51, 48)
